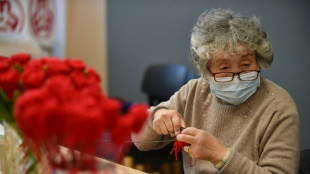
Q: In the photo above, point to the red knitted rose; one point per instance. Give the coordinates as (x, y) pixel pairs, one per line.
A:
(60, 102)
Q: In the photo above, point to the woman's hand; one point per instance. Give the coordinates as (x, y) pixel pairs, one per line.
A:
(203, 146)
(168, 122)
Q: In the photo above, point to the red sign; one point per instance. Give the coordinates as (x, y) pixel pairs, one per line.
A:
(42, 17)
(12, 16)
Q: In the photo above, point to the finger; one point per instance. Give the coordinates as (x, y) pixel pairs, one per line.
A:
(157, 129)
(169, 125)
(159, 125)
(163, 128)
(176, 121)
(190, 131)
(186, 138)
(186, 149)
(183, 123)
(181, 129)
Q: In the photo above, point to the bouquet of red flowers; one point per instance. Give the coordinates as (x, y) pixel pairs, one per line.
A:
(59, 102)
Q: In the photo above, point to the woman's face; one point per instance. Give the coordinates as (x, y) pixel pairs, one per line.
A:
(234, 63)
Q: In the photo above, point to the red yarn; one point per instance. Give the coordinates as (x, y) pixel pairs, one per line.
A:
(177, 146)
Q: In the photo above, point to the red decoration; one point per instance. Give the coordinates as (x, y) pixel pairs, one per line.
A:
(177, 146)
(12, 16)
(61, 103)
(42, 18)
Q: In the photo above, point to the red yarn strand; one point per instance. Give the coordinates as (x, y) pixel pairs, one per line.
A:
(192, 165)
(177, 146)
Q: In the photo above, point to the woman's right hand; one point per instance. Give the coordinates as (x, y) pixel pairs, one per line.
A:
(168, 122)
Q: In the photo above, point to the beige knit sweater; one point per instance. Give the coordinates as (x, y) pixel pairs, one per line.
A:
(263, 132)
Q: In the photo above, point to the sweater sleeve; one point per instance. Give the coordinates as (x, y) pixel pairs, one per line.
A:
(176, 102)
(279, 146)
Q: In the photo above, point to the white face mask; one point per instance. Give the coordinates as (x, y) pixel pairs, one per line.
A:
(236, 91)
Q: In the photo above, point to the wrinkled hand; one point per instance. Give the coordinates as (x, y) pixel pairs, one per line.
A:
(203, 146)
(168, 122)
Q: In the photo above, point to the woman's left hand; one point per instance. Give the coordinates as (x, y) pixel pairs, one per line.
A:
(203, 146)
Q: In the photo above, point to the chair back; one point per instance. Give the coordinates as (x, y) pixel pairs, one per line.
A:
(161, 81)
(304, 163)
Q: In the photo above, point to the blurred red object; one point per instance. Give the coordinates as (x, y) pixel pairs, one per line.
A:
(60, 102)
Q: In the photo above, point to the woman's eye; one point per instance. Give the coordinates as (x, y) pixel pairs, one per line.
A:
(246, 65)
(224, 68)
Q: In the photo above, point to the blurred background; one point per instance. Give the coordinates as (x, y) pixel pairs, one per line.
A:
(121, 38)
(145, 32)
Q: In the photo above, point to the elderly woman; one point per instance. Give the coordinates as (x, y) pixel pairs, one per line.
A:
(235, 120)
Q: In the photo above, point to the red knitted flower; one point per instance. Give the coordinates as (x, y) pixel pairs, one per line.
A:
(75, 64)
(21, 59)
(55, 66)
(10, 69)
(61, 103)
(9, 81)
(4, 64)
(33, 75)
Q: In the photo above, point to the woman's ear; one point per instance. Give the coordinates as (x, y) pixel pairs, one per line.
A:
(256, 58)
(206, 73)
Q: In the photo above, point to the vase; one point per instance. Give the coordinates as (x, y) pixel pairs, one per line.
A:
(16, 157)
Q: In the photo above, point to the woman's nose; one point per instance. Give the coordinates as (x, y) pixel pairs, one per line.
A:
(236, 69)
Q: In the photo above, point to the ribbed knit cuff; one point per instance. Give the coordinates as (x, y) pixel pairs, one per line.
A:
(155, 110)
(232, 164)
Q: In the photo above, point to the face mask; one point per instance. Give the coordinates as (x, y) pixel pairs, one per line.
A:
(234, 92)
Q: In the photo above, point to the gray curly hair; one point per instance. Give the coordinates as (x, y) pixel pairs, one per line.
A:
(218, 31)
